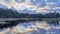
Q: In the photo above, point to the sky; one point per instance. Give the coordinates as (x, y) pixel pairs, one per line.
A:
(31, 6)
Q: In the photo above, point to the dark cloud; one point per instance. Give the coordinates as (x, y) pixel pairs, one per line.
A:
(7, 1)
(40, 3)
(54, 5)
(37, 1)
(19, 1)
(53, 0)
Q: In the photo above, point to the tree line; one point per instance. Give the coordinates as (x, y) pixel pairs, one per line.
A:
(9, 13)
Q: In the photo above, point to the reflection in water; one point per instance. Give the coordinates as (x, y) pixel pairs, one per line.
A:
(55, 23)
(32, 27)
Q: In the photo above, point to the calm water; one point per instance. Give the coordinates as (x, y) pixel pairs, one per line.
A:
(33, 27)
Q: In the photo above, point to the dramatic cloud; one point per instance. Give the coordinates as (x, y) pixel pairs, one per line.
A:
(32, 5)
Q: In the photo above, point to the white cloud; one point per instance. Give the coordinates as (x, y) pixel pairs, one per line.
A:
(26, 4)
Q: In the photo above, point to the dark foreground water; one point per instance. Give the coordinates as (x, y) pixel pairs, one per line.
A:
(32, 27)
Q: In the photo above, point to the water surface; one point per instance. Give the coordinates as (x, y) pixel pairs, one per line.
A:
(33, 27)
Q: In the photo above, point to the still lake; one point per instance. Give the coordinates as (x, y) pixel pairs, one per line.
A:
(33, 27)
